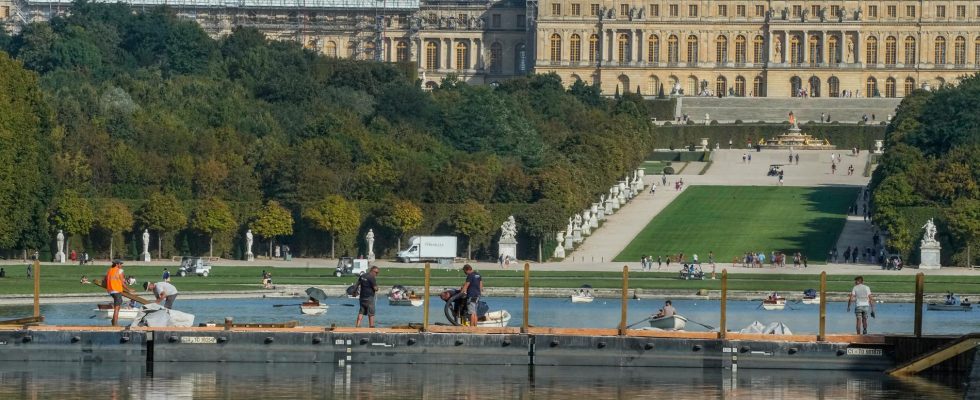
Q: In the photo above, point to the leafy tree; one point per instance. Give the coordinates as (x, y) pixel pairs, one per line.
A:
(212, 217)
(271, 221)
(472, 220)
(114, 218)
(337, 216)
(401, 216)
(161, 213)
(73, 214)
(543, 220)
(963, 219)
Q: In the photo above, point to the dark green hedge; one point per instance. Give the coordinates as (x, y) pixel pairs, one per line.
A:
(662, 110)
(842, 136)
(678, 156)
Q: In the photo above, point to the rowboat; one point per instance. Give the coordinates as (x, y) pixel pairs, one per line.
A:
(811, 300)
(672, 323)
(577, 298)
(125, 312)
(495, 319)
(413, 302)
(312, 308)
(400, 296)
(776, 304)
(949, 307)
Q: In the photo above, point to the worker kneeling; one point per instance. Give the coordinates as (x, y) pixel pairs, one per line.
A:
(162, 291)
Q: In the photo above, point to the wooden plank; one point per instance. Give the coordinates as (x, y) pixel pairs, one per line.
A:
(671, 334)
(919, 364)
(288, 324)
(375, 330)
(471, 329)
(128, 295)
(573, 331)
(23, 321)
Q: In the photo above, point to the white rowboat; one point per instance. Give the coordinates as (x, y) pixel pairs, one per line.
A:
(313, 308)
(811, 300)
(949, 307)
(671, 323)
(124, 312)
(582, 299)
(495, 319)
(774, 305)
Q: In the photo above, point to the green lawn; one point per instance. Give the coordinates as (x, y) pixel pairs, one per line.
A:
(64, 279)
(732, 220)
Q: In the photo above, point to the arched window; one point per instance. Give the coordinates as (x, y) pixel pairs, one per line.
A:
(496, 57)
(693, 86)
(890, 87)
(758, 87)
(976, 51)
(871, 56)
(692, 49)
(575, 47)
(673, 53)
(909, 86)
(624, 81)
(833, 50)
(795, 84)
(520, 59)
(909, 50)
(721, 86)
(814, 90)
(833, 84)
(654, 85)
(462, 56)
(555, 48)
(813, 50)
(758, 49)
(431, 56)
(739, 86)
(795, 50)
(624, 48)
(721, 49)
(891, 50)
(330, 49)
(940, 47)
(871, 87)
(959, 51)
(740, 49)
(653, 49)
(593, 48)
(401, 51)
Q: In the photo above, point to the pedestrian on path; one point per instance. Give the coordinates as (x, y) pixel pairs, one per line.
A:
(863, 303)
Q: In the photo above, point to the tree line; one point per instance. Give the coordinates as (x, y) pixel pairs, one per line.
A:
(119, 120)
(930, 169)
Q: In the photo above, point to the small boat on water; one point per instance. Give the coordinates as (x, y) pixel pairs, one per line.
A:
(495, 319)
(125, 312)
(952, 303)
(811, 296)
(672, 323)
(400, 296)
(774, 302)
(584, 295)
(313, 308)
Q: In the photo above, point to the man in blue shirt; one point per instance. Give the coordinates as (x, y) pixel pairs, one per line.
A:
(473, 289)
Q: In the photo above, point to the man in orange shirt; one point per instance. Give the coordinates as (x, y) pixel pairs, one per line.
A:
(115, 284)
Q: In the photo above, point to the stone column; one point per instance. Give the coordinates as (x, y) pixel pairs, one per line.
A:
(474, 51)
(639, 46)
(451, 57)
(805, 47)
(610, 45)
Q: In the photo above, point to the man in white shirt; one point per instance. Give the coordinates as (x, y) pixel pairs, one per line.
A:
(162, 291)
(861, 297)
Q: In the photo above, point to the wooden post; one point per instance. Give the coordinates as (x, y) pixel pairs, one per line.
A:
(920, 284)
(822, 336)
(626, 288)
(425, 310)
(37, 288)
(527, 297)
(722, 327)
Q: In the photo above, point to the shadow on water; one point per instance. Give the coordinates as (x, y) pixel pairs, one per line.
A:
(290, 381)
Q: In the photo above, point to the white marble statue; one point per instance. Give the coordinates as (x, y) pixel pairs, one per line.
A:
(248, 246)
(930, 232)
(578, 221)
(146, 245)
(586, 221)
(850, 51)
(508, 230)
(571, 225)
(370, 244)
(60, 256)
(777, 51)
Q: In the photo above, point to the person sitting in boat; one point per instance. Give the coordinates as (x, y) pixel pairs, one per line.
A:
(951, 299)
(667, 311)
(966, 302)
(774, 296)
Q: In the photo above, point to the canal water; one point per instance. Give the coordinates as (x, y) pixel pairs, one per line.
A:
(549, 312)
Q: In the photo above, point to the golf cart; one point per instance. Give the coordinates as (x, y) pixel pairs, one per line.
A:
(351, 266)
(194, 266)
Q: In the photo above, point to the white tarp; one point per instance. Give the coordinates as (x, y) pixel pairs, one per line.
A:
(155, 315)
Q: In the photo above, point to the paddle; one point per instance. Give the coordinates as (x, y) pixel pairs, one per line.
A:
(709, 327)
(639, 322)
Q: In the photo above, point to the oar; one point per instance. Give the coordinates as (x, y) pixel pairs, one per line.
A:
(286, 305)
(639, 322)
(709, 327)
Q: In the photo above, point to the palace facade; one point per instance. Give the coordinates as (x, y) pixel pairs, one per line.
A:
(759, 48)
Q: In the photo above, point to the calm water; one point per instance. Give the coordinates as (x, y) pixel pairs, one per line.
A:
(603, 313)
(267, 381)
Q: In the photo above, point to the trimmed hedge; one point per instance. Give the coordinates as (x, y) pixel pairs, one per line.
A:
(662, 110)
(678, 156)
(842, 136)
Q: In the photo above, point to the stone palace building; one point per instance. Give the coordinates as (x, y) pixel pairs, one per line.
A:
(759, 48)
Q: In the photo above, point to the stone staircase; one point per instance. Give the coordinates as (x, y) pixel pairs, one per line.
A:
(754, 109)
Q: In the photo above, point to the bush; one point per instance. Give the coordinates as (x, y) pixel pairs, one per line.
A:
(668, 170)
(738, 122)
(714, 122)
(661, 109)
(843, 136)
(810, 122)
(668, 123)
(690, 122)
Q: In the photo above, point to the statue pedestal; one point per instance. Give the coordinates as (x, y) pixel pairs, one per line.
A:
(610, 209)
(559, 252)
(929, 255)
(507, 247)
(370, 256)
(569, 242)
(600, 215)
(577, 235)
(249, 257)
(146, 257)
(60, 257)
(586, 229)
(594, 221)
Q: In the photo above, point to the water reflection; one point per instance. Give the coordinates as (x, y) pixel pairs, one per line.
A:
(315, 381)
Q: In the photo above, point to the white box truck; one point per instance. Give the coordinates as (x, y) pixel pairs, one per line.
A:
(429, 248)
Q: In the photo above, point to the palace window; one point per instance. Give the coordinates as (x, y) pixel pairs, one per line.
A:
(740, 10)
(624, 10)
(910, 11)
(593, 48)
(871, 88)
(758, 49)
(672, 49)
(871, 56)
(978, 11)
(834, 11)
(555, 48)
(909, 50)
(576, 9)
(795, 50)
(721, 86)
(330, 49)
(760, 11)
(575, 48)
(758, 87)
(940, 47)
(721, 49)
(692, 10)
(722, 10)
(814, 11)
(593, 10)
(555, 9)
(891, 50)
(940, 11)
(654, 10)
(693, 86)
(909, 86)
(961, 11)
(892, 11)
(813, 48)
(673, 10)
(797, 11)
(462, 56)
(496, 57)
(692, 49)
(654, 87)
(653, 49)
(431, 56)
(495, 21)
(740, 86)
(959, 51)
(833, 50)
(873, 11)
(401, 51)
(890, 87)
(740, 49)
(834, 85)
(624, 48)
